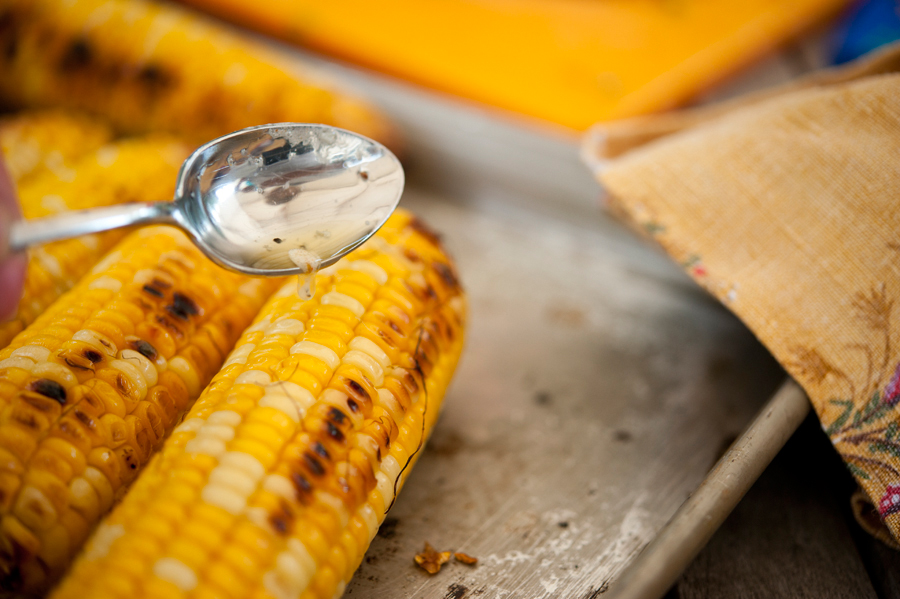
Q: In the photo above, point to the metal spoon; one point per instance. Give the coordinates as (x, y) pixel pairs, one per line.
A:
(272, 200)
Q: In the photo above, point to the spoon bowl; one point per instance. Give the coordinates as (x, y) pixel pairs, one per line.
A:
(272, 200)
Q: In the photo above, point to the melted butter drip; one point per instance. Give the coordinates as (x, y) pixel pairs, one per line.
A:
(306, 286)
(306, 282)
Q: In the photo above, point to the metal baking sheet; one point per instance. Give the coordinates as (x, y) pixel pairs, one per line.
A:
(598, 385)
(596, 390)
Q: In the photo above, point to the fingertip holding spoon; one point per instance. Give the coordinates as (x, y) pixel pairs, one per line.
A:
(273, 200)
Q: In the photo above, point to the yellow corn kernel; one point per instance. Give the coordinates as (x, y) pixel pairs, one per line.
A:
(48, 140)
(304, 455)
(124, 171)
(95, 400)
(159, 71)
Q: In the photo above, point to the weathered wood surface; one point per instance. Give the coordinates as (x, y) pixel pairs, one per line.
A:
(882, 564)
(793, 536)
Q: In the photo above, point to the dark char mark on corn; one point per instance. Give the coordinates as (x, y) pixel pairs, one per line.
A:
(50, 389)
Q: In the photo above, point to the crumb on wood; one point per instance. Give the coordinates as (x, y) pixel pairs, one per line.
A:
(465, 558)
(431, 560)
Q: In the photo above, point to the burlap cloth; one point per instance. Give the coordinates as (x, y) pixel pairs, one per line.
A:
(786, 208)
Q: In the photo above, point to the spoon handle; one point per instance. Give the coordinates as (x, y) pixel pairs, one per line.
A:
(26, 233)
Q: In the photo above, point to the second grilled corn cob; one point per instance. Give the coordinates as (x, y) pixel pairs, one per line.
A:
(92, 387)
(142, 169)
(48, 140)
(280, 475)
(149, 66)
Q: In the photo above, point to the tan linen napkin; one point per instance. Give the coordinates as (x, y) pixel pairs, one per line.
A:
(787, 211)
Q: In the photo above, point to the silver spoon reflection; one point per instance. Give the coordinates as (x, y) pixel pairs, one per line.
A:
(272, 200)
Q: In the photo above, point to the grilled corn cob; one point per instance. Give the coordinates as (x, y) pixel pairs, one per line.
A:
(48, 140)
(126, 171)
(280, 475)
(153, 67)
(91, 388)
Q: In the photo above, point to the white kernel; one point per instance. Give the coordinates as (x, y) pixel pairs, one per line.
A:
(107, 261)
(101, 485)
(140, 361)
(370, 518)
(227, 417)
(17, 362)
(55, 372)
(187, 373)
(239, 355)
(191, 425)
(225, 498)
(288, 326)
(234, 74)
(301, 397)
(245, 462)
(339, 590)
(48, 262)
(333, 298)
(222, 432)
(98, 341)
(54, 203)
(336, 504)
(367, 364)
(102, 540)
(252, 288)
(282, 403)
(330, 271)
(387, 401)
(176, 572)
(287, 290)
(35, 352)
(234, 479)
(371, 269)
(91, 242)
(371, 348)
(416, 280)
(279, 485)
(205, 446)
(259, 516)
(317, 350)
(34, 509)
(148, 275)
(338, 398)
(261, 325)
(391, 467)
(385, 487)
(291, 571)
(178, 257)
(278, 588)
(114, 285)
(107, 155)
(133, 374)
(302, 554)
(253, 377)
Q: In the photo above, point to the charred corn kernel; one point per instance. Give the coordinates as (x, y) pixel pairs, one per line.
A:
(125, 171)
(93, 402)
(35, 141)
(301, 469)
(148, 66)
